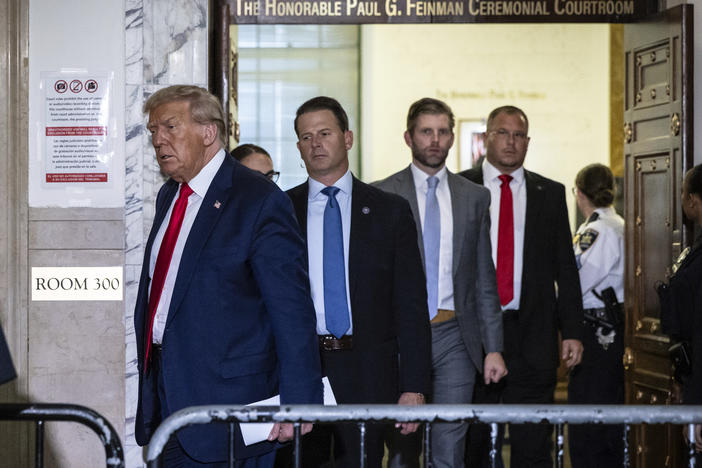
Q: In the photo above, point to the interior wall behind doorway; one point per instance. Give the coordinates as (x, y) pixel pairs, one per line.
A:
(559, 74)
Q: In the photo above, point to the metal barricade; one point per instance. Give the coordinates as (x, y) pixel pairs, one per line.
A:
(488, 414)
(114, 456)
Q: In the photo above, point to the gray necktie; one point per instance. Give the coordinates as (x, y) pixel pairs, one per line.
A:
(432, 239)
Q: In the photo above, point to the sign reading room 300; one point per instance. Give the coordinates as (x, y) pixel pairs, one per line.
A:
(76, 283)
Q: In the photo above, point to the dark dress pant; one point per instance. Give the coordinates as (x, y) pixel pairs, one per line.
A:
(338, 445)
(597, 380)
(530, 444)
(453, 379)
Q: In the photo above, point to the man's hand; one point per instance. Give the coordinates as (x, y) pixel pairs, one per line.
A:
(698, 436)
(284, 432)
(410, 399)
(572, 352)
(494, 368)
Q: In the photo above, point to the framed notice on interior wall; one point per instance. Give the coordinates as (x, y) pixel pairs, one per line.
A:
(75, 140)
(471, 143)
(77, 147)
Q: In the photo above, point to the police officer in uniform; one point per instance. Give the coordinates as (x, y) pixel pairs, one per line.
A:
(681, 304)
(599, 378)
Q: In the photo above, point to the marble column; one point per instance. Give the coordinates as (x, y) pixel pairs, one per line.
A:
(166, 44)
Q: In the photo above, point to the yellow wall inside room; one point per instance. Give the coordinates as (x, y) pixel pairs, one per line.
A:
(558, 74)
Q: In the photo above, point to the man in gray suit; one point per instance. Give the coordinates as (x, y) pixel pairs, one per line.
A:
(464, 307)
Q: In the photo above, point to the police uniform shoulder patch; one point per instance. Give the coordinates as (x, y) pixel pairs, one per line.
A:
(587, 238)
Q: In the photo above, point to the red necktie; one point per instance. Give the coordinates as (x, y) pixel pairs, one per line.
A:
(505, 243)
(164, 260)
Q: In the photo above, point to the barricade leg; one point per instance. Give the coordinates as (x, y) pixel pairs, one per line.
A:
(493, 444)
(230, 459)
(559, 445)
(39, 444)
(427, 446)
(297, 450)
(691, 445)
(626, 460)
(364, 456)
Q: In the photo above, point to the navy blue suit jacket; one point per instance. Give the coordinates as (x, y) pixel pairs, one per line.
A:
(7, 369)
(241, 323)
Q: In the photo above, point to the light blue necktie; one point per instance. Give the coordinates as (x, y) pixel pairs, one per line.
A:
(432, 238)
(336, 310)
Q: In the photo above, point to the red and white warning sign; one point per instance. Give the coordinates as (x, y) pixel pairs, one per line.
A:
(77, 148)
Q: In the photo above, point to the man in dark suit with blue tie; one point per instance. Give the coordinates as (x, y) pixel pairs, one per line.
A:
(223, 314)
(367, 285)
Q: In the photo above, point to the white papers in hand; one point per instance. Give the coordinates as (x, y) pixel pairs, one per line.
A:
(258, 432)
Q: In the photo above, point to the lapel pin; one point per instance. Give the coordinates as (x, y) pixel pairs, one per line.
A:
(217, 204)
(365, 210)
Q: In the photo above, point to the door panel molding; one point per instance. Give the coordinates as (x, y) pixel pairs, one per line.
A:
(657, 151)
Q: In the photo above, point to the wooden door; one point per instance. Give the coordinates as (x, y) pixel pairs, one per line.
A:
(657, 151)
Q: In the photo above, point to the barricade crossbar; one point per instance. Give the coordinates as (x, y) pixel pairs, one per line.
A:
(487, 414)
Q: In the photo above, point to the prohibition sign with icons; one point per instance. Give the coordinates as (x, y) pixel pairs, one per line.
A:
(91, 86)
(60, 86)
(76, 86)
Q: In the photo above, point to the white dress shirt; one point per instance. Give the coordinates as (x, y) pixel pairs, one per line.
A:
(443, 196)
(316, 202)
(200, 184)
(519, 200)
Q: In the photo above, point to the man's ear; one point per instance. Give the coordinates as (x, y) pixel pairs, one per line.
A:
(348, 139)
(209, 133)
(408, 138)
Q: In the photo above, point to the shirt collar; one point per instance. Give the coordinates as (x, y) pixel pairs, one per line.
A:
(201, 182)
(605, 210)
(420, 177)
(491, 173)
(345, 183)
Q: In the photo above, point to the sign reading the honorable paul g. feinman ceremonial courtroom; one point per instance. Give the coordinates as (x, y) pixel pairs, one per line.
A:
(433, 11)
(77, 283)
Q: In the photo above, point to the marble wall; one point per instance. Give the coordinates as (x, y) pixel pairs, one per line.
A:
(166, 44)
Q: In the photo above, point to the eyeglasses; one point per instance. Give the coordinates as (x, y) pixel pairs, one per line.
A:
(272, 175)
(503, 134)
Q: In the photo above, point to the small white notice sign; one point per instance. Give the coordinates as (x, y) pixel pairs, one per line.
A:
(77, 283)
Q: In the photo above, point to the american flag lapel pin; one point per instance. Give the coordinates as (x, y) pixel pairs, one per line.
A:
(217, 204)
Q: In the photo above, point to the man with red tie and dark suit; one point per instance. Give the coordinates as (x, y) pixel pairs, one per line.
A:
(538, 285)
(367, 285)
(223, 314)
